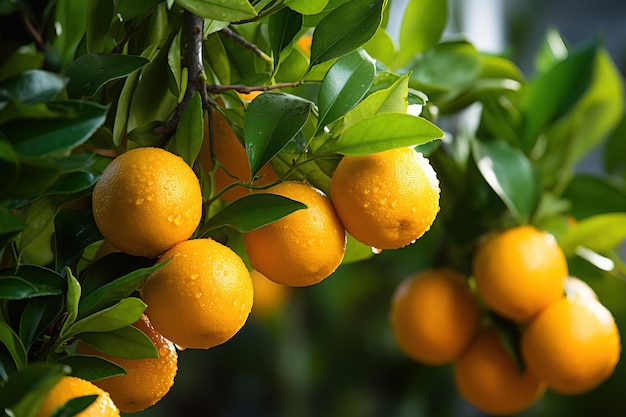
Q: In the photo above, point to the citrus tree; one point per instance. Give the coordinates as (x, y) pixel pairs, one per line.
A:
(159, 158)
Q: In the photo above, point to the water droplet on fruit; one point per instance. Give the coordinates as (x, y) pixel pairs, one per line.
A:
(139, 201)
(198, 295)
(376, 251)
(194, 276)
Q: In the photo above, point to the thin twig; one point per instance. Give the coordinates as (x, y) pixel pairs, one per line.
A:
(244, 89)
(229, 33)
(34, 33)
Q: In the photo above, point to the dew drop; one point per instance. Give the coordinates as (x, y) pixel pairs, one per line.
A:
(198, 295)
(194, 276)
(139, 201)
(235, 303)
(376, 251)
(170, 218)
(181, 348)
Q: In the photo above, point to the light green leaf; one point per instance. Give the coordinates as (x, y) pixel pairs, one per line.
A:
(189, 132)
(128, 342)
(125, 312)
(381, 47)
(600, 233)
(306, 6)
(230, 11)
(71, 300)
(14, 345)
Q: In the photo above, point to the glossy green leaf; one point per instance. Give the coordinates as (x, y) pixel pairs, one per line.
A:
(38, 315)
(123, 107)
(14, 345)
(128, 342)
(99, 17)
(392, 99)
(591, 195)
(374, 135)
(91, 368)
(74, 231)
(16, 288)
(47, 136)
(39, 275)
(24, 391)
(115, 291)
(10, 225)
(74, 406)
(253, 211)
(600, 233)
(189, 132)
(108, 268)
(381, 47)
(72, 183)
(231, 11)
(510, 174)
(69, 29)
(33, 86)
(90, 72)
(567, 81)
(123, 313)
(306, 6)
(271, 121)
(21, 60)
(553, 50)
(346, 28)
(218, 61)
(72, 298)
(283, 26)
(345, 84)
(422, 25)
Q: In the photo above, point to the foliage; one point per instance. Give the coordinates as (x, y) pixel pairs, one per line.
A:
(80, 80)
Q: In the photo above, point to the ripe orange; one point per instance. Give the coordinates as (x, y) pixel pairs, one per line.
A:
(434, 315)
(302, 248)
(146, 201)
(520, 271)
(233, 159)
(269, 296)
(304, 43)
(202, 297)
(70, 387)
(387, 199)
(146, 380)
(573, 345)
(488, 377)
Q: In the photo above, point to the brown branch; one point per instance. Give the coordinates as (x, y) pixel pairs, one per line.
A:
(229, 33)
(34, 33)
(244, 89)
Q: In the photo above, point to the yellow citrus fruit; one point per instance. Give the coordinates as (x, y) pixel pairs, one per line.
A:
(70, 387)
(520, 271)
(233, 159)
(434, 315)
(574, 345)
(249, 96)
(488, 377)
(146, 380)
(202, 297)
(146, 201)
(387, 199)
(302, 248)
(304, 43)
(269, 296)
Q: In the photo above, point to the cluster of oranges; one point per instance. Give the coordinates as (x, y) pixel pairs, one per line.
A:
(564, 339)
(148, 202)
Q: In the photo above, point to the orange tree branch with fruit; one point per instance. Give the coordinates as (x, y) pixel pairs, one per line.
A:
(164, 163)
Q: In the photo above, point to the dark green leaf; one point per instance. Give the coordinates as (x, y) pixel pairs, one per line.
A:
(128, 342)
(99, 17)
(74, 406)
(510, 174)
(38, 315)
(271, 121)
(13, 344)
(345, 84)
(32, 87)
(283, 26)
(130, 9)
(111, 293)
(72, 183)
(40, 275)
(615, 150)
(15, 288)
(374, 135)
(253, 211)
(73, 29)
(422, 25)
(26, 388)
(35, 176)
(74, 231)
(230, 11)
(109, 268)
(9, 226)
(189, 132)
(125, 312)
(345, 29)
(91, 368)
(591, 195)
(90, 72)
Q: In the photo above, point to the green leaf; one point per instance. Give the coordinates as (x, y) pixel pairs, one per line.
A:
(253, 211)
(283, 26)
(38, 315)
(74, 406)
(345, 29)
(553, 50)
(99, 17)
(72, 29)
(270, 122)
(374, 135)
(230, 11)
(189, 132)
(345, 84)
(72, 183)
(72, 299)
(74, 231)
(123, 107)
(422, 25)
(46, 136)
(306, 6)
(125, 312)
(38, 216)
(566, 81)
(600, 233)
(381, 47)
(109, 268)
(128, 342)
(10, 226)
(90, 72)
(91, 368)
(16, 288)
(130, 9)
(13, 344)
(25, 390)
(510, 174)
(590, 195)
(615, 149)
(356, 251)
(115, 291)
(392, 99)
(32, 87)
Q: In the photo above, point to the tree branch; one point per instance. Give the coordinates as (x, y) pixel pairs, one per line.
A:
(244, 89)
(229, 33)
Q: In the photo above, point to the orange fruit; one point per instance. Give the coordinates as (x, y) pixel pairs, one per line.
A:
(520, 271)
(302, 248)
(434, 315)
(70, 387)
(387, 199)
(573, 345)
(576, 287)
(202, 297)
(488, 377)
(233, 159)
(146, 380)
(269, 296)
(304, 43)
(146, 201)
(249, 96)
